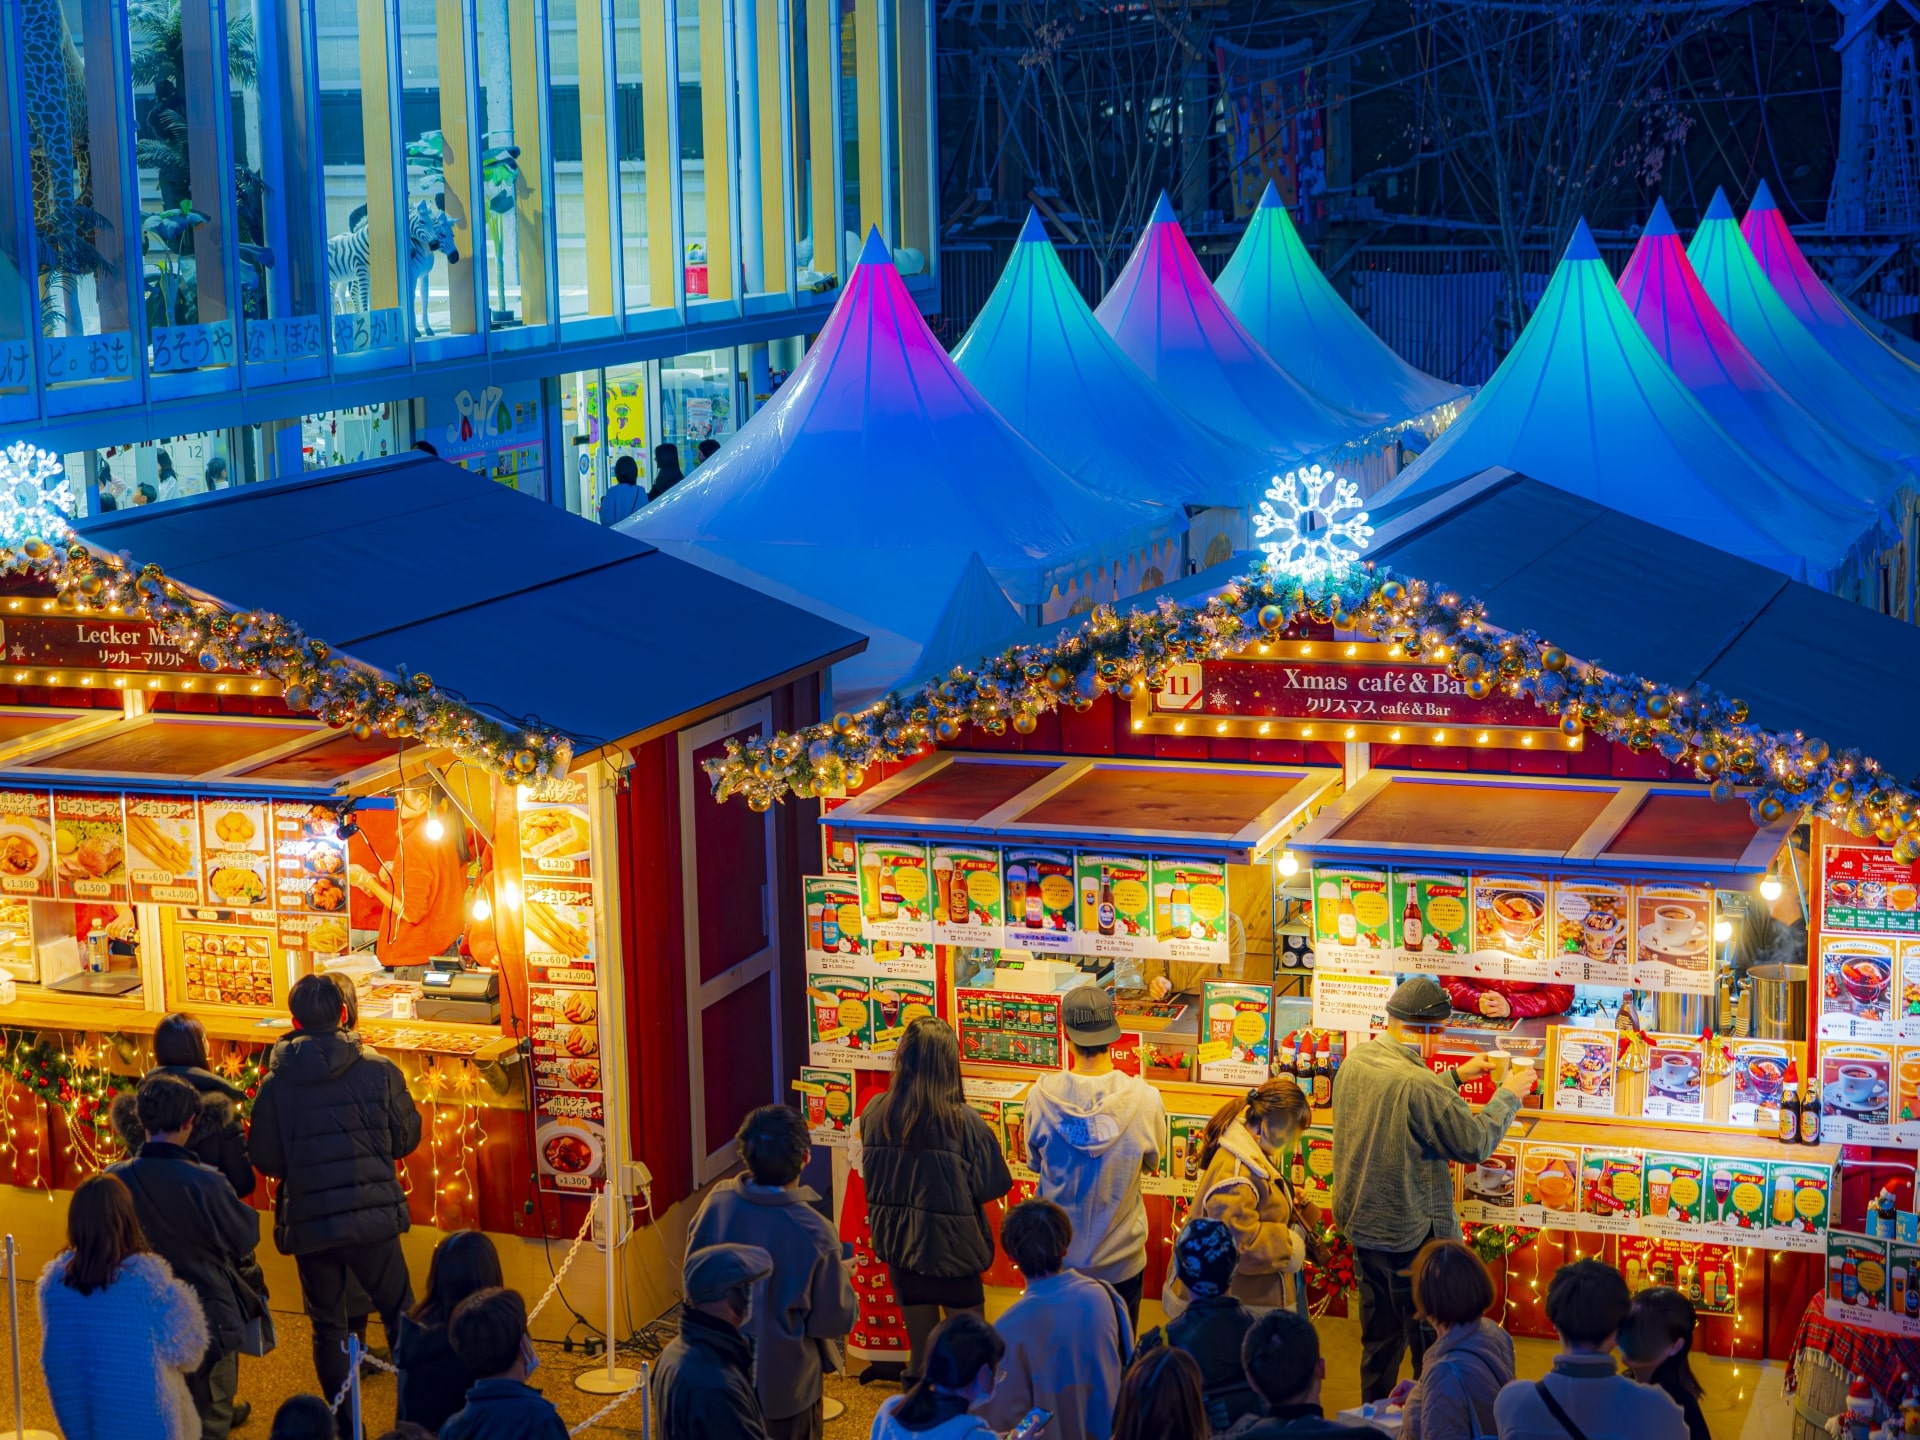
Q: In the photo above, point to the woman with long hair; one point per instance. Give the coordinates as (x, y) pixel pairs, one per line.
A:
(433, 1380)
(1656, 1341)
(931, 1165)
(118, 1334)
(962, 1356)
(1471, 1357)
(1243, 1184)
(218, 1138)
(1161, 1398)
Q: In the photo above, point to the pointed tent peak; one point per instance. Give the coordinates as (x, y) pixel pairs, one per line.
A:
(1581, 246)
(875, 251)
(1720, 209)
(1162, 211)
(1762, 199)
(1659, 223)
(1034, 232)
(1270, 198)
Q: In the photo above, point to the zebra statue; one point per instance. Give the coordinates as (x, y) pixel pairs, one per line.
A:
(349, 262)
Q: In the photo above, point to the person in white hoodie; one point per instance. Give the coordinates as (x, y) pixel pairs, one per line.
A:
(1092, 1132)
(963, 1355)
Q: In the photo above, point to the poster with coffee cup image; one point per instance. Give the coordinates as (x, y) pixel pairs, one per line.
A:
(1115, 904)
(1041, 900)
(1856, 988)
(1490, 1191)
(1759, 1077)
(1190, 914)
(1673, 937)
(1676, 1195)
(1511, 939)
(1864, 888)
(1432, 922)
(1592, 932)
(1583, 1071)
(1674, 1088)
(1549, 1185)
(1856, 1093)
(1610, 1190)
(896, 891)
(1353, 927)
(967, 896)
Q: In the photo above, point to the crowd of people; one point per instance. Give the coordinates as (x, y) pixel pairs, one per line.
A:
(160, 1270)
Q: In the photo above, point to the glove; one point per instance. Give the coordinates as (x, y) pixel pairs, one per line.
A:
(1298, 1261)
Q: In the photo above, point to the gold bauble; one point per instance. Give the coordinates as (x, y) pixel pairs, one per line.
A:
(1553, 658)
(842, 723)
(1771, 810)
(1025, 723)
(1272, 617)
(1058, 678)
(1572, 725)
(525, 761)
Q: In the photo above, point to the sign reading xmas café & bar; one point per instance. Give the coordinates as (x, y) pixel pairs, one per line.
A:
(1360, 693)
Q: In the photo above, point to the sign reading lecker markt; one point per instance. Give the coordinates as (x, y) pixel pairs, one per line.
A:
(1284, 696)
(91, 642)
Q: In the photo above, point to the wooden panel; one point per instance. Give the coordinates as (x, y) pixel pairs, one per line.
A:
(530, 214)
(320, 764)
(1441, 815)
(376, 120)
(181, 747)
(716, 104)
(456, 153)
(1686, 825)
(965, 790)
(914, 110)
(595, 126)
(1171, 799)
(663, 264)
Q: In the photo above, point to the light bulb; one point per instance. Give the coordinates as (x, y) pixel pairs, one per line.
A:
(1289, 864)
(1770, 888)
(480, 909)
(1722, 931)
(434, 828)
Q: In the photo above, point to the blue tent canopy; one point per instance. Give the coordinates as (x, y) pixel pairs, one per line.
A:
(1583, 402)
(1040, 357)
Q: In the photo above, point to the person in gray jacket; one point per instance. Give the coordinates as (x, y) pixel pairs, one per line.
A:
(1472, 1356)
(803, 1309)
(1400, 1126)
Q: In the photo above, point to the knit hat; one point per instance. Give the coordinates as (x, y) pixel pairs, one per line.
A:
(1204, 1256)
(1420, 1000)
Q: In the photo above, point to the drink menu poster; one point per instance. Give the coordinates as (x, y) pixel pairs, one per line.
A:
(1511, 927)
(1856, 1093)
(1857, 978)
(967, 896)
(1583, 1070)
(1864, 888)
(1236, 1035)
(896, 891)
(826, 1098)
(1042, 900)
(1352, 919)
(1676, 1195)
(1116, 905)
(1432, 918)
(1674, 937)
(1190, 914)
(1610, 1190)
(1592, 932)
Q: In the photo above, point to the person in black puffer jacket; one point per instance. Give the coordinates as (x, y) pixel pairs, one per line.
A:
(330, 1123)
(930, 1165)
(1215, 1323)
(219, 1139)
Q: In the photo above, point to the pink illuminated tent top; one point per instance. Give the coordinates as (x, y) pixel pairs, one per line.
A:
(879, 489)
(1666, 297)
(1892, 377)
(1172, 322)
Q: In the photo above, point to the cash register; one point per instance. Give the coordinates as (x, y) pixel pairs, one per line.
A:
(450, 991)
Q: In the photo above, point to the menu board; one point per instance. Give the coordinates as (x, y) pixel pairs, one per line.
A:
(1432, 921)
(1736, 1200)
(833, 916)
(1610, 1191)
(1115, 904)
(967, 896)
(563, 998)
(894, 1004)
(1236, 1034)
(26, 844)
(1867, 889)
(1673, 928)
(1492, 1188)
(1800, 1196)
(1003, 1027)
(90, 847)
(226, 965)
(1041, 900)
(1856, 988)
(1857, 1290)
(1592, 934)
(896, 891)
(1705, 1274)
(1906, 1002)
(1676, 1199)
(236, 849)
(1550, 1185)
(1190, 914)
(1856, 1093)
(309, 878)
(1759, 1077)
(839, 1021)
(1674, 1067)
(826, 1098)
(163, 850)
(1510, 927)
(1583, 1070)
(1352, 919)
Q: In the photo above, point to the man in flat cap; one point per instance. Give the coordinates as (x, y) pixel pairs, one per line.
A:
(1396, 1126)
(703, 1387)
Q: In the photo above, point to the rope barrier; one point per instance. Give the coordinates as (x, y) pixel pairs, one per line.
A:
(615, 1403)
(566, 1264)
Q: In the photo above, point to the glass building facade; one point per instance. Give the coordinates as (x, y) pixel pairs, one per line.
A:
(242, 238)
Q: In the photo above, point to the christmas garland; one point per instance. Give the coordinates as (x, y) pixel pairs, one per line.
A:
(1496, 1242)
(36, 540)
(80, 1090)
(1110, 653)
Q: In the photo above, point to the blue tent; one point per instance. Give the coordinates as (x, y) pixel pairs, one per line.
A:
(878, 489)
(1583, 403)
(1044, 363)
(1274, 289)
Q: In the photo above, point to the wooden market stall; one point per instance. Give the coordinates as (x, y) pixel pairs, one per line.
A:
(479, 819)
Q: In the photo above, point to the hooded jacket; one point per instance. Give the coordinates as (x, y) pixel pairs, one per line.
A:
(804, 1306)
(331, 1122)
(1606, 1404)
(1241, 1188)
(433, 1381)
(1459, 1381)
(115, 1361)
(1068, 1345)
(204, 1232)
(218, 1139)
(1089, 1137)
(925, 1202)
(963, 1425)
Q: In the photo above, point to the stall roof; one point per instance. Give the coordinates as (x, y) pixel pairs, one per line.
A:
(1235, 811)
(1634, 597)
(519, 606)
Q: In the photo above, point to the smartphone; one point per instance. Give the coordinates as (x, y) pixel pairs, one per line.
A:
(1030, 1425)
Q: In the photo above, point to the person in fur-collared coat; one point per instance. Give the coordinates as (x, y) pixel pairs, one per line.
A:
(118, 1333)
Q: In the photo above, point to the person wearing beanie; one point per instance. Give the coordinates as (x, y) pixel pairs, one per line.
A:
(1400, 1126)
(1215, 1323)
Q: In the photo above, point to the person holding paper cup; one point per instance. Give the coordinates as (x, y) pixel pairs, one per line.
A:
(1399, 1126)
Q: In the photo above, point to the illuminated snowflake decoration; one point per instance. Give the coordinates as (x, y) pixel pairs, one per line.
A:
(35, 499)
(1300, 547)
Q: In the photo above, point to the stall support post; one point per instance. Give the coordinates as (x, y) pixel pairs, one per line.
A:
(20, 1431)
(615, 1379)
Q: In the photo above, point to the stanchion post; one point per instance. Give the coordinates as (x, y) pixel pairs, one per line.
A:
(20, 1431)
(615, 1379)
(353, 1382)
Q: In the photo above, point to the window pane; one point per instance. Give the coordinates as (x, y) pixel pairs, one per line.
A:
(693, 154)
(636, 48)
(356, 136)
(435, 132)
(576, 52)
(850, 121)
(510, 163)
(697, 401)
(762, 188)
(16, 348)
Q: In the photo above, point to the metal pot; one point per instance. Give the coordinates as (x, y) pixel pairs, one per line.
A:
(1779, 1001)
(1679, 1013)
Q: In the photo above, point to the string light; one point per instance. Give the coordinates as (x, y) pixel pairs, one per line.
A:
(435, 829)
(1289, 863)
(480, 909)
(1770, 888)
